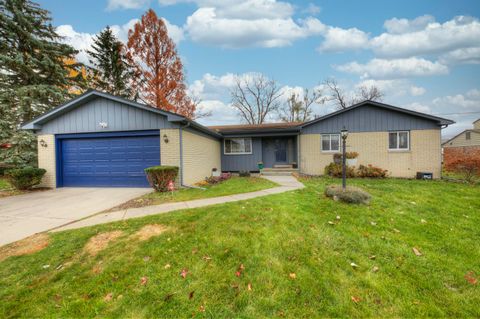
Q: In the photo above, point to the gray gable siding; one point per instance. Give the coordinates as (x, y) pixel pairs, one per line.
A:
(370, 119)
(119, 116)
(247, 162)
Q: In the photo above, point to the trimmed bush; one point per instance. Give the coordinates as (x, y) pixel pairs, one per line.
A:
(335, 170)
(244, 174)
(25, 178)
(352, 195)
(371, 171)
(351, 155)
(217, 179)
(160, 176)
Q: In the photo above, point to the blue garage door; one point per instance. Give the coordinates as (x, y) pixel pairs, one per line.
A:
(109, 161)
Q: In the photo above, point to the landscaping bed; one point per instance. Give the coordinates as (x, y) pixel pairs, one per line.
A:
(412, 252)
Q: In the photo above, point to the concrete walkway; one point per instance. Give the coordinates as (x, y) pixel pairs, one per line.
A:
(287, 183)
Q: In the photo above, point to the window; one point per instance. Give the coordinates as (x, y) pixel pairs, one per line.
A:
(235, 146)
(467, 135)
(399, 140)
(330, 142)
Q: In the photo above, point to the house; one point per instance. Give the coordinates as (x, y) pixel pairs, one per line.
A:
(468, 139)
(98, 139)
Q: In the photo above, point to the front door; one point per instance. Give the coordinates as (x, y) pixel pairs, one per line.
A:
(280, 151)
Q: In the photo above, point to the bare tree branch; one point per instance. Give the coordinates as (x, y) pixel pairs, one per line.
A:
(297, 109)
(255, 97)
(342, 100)
(337, 95)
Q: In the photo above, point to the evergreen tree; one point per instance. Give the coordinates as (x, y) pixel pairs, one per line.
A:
(111, 72)
(33, 74)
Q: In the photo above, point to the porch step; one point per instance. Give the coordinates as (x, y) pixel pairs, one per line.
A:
(279, 171)
(283, 166)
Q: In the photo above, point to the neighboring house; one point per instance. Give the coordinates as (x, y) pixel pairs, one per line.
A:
(101, 140)
(468, 139)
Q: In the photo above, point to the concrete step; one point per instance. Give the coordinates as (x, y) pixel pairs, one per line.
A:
(279, 171)
(283, 166)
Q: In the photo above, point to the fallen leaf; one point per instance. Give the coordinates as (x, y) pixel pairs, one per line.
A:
(190, 295)
(372, 257)
(413, 203)
(249, 287)
(292, 275)
(59, 267)
(167, 266)
(338, 217)
(470, 277)
(169, 296)
(194, 251)
(119, 297)
(143, 281)
(207, 258)
(184, 273)
(373, 223)
(202, 308)
(416, 251)
(146, 258)
(356, 299)
(238, 274)
(354, 265)
(108, 297)
(45, 266)
(331, 223)
(375, 269)
(423, 221)
(396, 230)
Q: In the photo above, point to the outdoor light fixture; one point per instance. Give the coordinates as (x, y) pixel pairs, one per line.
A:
(344, 135)
(165, 138)
(103, 124)
(43, 143)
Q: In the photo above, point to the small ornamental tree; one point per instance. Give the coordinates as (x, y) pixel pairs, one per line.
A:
(160, 177)
(466, 163)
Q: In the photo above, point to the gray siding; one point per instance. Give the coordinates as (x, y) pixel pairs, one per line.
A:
(120, 117)
(243, 162)
(370, 119)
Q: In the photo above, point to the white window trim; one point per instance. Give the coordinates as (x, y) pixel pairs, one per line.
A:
(398, 142)
(330, 144)
(243, 153)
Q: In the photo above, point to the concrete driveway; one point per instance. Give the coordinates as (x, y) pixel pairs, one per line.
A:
(25, 215)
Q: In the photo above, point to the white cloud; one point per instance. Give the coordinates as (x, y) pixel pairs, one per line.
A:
(126, 4)
(417, 91)
(79, 40)
(462, 56)
(434, 38)
(415, 106)
(338, 39)
(222, 113)
(470, 101)
(399, 26)
(83, 41)
(206, 27)
(396, 68)
(312, 9)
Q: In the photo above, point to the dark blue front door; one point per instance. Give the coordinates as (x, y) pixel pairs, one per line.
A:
(109, 161)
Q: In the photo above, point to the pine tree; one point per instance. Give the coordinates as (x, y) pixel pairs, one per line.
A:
(33, 74)
(111, 73)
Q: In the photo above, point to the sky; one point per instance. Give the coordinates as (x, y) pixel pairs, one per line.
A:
(424, 55)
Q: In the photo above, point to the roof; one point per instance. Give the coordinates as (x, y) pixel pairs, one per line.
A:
(476, 120)
(265, 127)
(451, 139)
(439, 120)
(91, 94)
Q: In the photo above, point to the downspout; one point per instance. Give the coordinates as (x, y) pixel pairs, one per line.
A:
(181, 159)
(441, 150)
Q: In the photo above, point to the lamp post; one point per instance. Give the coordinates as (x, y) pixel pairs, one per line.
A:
(344, 135)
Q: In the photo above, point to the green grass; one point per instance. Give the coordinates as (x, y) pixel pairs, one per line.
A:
(4, 185)
(272, 237)
(234, 185)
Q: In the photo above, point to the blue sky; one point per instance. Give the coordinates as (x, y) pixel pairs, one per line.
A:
(424, 55)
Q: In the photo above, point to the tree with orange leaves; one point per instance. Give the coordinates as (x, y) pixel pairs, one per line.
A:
(159, 71)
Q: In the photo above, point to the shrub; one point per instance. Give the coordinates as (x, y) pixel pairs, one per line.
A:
(244, 174)
(160, 176)
(4, 167)
(26, 177)
(337, 158)
(335, 170)
(371, 171)
(466, 163)
(352, 195)
(217, 179)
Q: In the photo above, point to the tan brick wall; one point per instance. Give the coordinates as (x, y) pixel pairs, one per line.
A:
(461, 140)
(424, 153)
(47, 160)
(170, 152)
(200, 155)
(476, 124)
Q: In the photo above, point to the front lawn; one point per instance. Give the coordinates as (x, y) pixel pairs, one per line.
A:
(234, 185)
(284, 255)
(4, 185)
